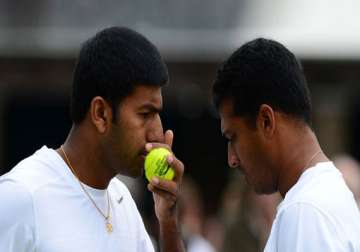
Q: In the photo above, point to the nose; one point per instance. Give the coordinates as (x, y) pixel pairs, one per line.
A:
(233, 160)
(155, 130)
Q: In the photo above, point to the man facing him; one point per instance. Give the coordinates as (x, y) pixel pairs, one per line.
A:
(265, 110)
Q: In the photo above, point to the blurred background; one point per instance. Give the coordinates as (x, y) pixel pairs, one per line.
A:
(39, 42)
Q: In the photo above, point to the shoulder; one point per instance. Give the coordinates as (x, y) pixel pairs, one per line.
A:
(36, 170)
(307, 221)
(322, 186)
(297, 212)
(319, 207)
(14, 198)
(17, 218)
(300, 222)
(17, 212)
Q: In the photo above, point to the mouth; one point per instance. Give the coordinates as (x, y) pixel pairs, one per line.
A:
(243, 173)
(142, 157)
(241, 170)
(143, 154)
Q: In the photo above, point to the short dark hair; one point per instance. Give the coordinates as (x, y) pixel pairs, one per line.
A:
(110, 65)
(260, 72)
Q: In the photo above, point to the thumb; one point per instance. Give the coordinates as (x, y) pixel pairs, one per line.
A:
(169, 136)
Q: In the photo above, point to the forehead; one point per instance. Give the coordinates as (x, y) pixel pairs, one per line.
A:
(144, 95)
(226, 114)
(229, 121)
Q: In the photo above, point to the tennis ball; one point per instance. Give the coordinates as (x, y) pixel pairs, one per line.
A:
(156, 164)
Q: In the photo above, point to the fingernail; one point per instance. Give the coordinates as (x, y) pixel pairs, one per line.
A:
(155, 180)
(170, 159)
(148, 187)
(148, 146)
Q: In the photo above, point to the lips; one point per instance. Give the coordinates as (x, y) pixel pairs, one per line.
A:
(241, 170)
(143, 154)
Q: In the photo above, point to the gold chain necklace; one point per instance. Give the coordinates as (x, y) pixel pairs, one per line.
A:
(108, 225)
(312, 158)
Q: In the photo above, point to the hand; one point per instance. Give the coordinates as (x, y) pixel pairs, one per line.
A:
(165, 192)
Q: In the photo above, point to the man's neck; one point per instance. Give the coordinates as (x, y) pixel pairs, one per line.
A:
(84, 156)
(300, 153)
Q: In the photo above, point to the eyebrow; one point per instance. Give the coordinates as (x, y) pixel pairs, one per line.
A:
(225, 133)
(151, 107)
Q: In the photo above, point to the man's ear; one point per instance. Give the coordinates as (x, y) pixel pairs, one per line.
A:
(101, 114)
(266, 121)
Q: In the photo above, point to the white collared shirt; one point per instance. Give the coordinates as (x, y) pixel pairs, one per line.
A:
(43, 208)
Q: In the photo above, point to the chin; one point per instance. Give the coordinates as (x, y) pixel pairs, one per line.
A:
(137, 171)
(264, 189)
(134, 174)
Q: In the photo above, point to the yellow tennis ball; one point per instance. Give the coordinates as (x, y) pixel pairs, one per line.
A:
(156, 164)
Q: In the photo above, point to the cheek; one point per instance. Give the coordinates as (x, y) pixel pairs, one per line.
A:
(264, 171)
(246, 152)
(252, 158)
(132, 131)
(131, 142)
(122, 140)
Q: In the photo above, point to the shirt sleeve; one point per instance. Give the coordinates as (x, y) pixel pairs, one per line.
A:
(302, 227)
(16, 218)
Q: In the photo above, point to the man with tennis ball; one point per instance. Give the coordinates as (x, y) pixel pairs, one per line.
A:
(69, 199)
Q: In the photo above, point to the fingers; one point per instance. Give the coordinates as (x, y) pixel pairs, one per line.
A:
(168, 189)
(168, 141)
(163, 187)
(170, 186)
(150, 146)
(169, 137)
(177, 166)
(163, 194)
(169, 195)
(158, 185)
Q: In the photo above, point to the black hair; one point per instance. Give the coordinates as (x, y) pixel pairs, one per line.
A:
(260, 72)
(110, 65)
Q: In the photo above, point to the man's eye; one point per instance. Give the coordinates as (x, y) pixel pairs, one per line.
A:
(145, 114)
(230, 139)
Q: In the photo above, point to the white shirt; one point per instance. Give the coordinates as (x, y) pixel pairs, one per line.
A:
(318, 213)
(44, 209)
(197, 243)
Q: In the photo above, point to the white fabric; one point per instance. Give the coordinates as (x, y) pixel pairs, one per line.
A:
(198, 244)
(318, 213)
(44, 209)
